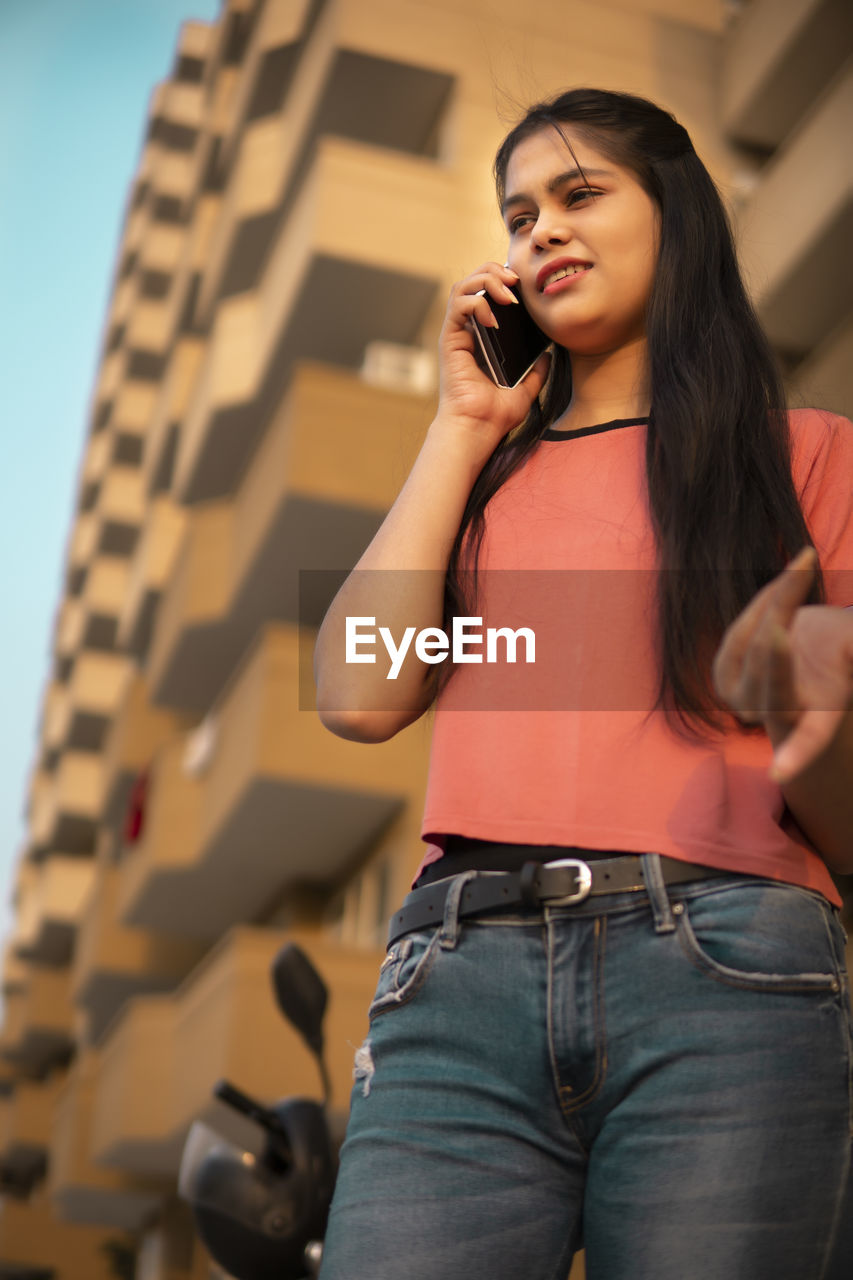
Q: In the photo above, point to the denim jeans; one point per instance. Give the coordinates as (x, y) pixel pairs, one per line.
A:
(661, 1077)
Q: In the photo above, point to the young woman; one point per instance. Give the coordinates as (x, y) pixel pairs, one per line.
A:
(614, 1011)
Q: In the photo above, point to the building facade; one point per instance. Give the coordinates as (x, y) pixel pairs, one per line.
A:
(314, 175)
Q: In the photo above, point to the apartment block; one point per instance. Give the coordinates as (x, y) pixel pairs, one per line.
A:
(314, 175)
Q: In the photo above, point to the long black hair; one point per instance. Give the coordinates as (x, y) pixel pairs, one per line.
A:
(723, 504)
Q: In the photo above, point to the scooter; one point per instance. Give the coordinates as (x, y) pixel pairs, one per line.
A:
(260, 1207)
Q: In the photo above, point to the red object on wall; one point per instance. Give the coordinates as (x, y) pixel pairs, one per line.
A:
(134, 818)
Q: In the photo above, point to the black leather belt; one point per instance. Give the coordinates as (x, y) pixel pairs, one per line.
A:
(561, 883)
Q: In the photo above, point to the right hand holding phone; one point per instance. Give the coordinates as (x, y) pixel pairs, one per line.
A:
(467, 395)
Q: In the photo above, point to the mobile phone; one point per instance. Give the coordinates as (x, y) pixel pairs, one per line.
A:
(509, 352)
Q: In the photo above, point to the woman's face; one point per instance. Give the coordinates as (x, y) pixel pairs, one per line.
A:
(585, 255)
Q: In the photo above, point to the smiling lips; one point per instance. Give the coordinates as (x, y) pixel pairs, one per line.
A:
(560, 270)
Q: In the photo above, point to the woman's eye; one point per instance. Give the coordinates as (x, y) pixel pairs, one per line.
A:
(581, 193)
(521, 220)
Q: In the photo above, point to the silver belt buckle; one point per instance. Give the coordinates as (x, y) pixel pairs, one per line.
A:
(584, 873)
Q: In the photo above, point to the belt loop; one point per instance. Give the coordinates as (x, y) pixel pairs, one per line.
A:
(527, 882)
(656, 889)
(449, 935)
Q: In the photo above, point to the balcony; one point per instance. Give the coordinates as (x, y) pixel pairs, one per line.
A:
(104, 589)
(252, 190)
(329, 466)
(41, 804)
(189, 618)
(126, 370)
(112, 374)
(330, 286)
(777, 61)
(175, 173)
(101, 597)
(38, 1024)
(66, 815)
(153, 866)
(113, 963)
(46, 929)
(81, 548)
(171, 173)
(133, 1123)
(133, 406)
(119, 509)
(8, 1182)
(160, 246)
(25, 1129)
(14, 971)
(123, 300)
(148, 326)
(135, 226)
(268, 64)
(222, 88)
(24, 896)
(195, 41)
(77, 720)
(96, 690)
(11, 1031)
(150, 572)
(163, 1056)
(282, 802)
(95, 460)
(792, 244)
(231, 992)
(316, 89)
(54, 717)
(174, 392)
(89, 618)
(826, 376)
(137, 731)
(70, 625)
(81, 1190)
(192, 263)
(179, 103)
(36, 1245)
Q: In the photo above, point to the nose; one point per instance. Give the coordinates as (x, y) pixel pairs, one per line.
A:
(549, 230)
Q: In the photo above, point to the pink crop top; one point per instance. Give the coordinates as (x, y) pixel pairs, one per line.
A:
(564, 750)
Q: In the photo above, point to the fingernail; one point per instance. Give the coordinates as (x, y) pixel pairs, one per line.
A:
(511, 270)
(511, 295)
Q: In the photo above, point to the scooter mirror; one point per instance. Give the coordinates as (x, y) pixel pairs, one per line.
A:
(300, 994)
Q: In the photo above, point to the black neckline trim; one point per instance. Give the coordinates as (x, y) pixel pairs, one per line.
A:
(613, 425)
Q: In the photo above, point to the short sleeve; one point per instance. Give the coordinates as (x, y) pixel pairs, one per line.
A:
(822, 464)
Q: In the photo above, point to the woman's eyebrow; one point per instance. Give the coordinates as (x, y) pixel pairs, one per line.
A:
(560, 180)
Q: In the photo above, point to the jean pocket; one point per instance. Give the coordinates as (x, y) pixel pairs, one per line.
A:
(404, 971)
(764, 936)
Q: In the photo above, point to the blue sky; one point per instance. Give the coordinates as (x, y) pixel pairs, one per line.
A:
(75, 79)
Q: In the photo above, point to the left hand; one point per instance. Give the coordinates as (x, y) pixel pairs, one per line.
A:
(789, 667)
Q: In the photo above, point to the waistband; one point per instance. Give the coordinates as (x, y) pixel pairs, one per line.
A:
(467, 853)
(564, 881)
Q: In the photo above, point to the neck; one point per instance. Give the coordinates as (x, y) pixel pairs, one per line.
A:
(614, 384)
